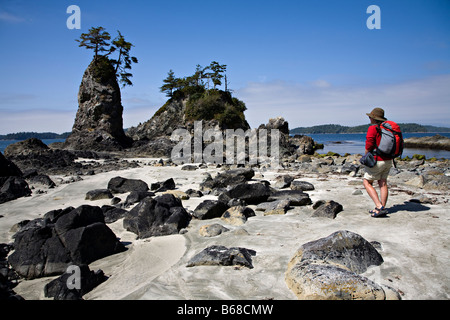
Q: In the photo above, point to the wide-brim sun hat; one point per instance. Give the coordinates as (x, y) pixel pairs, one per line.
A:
(377, 114)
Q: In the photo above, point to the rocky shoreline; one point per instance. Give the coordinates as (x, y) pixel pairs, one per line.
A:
(436, 142)
(194, 208)
(110, 216)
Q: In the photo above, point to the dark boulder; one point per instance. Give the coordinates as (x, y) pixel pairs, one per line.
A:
(210, 209)
(223, 256)
(12, 188)
(53, 215)
(39, 253)
(228, 178)
(137, 196)
(98, 194)
(302, 185)
(296, 197)
(74, 284)
(8, 168)
(283, 181)
(251, 193)
(46, 248)
(160, 216)
(162, 186)
(194, 193)
(328, 209)
(112, 214)
(123, 185)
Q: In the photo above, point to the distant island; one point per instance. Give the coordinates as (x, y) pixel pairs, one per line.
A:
(326, 128)
(27, 135)
(336, 128)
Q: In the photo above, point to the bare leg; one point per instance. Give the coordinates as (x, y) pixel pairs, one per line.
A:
(384, 192)
(368, 184)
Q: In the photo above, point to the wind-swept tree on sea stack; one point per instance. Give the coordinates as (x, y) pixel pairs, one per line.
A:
(97, 40)
(123, 62)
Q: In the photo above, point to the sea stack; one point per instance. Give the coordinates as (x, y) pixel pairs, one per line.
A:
(98, 124)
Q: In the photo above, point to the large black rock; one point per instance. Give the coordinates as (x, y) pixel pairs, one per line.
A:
(88, 280)
(210, 209)
(12, 188)
(160, 216)
(251, 193)
(8, 168)
(124, 185)
(220, 255)
(46, 247)
(296, 197)
(228, 178)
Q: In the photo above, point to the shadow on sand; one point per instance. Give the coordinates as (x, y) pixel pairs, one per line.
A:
(408, 206)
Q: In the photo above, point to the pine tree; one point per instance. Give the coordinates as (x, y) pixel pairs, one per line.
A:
(96, 39)
(170, 83)
(123, 62)
(217, 70)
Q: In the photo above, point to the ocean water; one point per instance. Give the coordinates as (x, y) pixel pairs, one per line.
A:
(355, 143)
(339, 143)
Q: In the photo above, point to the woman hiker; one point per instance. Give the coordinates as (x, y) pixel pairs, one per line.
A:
(380, 171)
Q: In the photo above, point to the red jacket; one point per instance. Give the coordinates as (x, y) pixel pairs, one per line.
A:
(372, 140)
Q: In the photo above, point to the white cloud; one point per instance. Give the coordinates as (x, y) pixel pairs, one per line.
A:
(8, 17)
(424, 101)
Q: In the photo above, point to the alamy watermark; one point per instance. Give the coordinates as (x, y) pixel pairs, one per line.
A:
(74, 20)
(241, 147)
(74, 280)
(374, 21)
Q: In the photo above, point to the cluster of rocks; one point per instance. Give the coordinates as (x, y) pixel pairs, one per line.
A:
(33, 155)
(72, 236)
(424, 174)
(63, 238)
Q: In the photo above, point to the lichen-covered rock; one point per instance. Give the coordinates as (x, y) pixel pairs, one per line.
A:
(330, 267)
(329, 282)
(237, 215)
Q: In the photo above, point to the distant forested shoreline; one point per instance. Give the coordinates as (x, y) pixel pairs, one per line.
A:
(336, 128)
(326, 128)
(28, 135)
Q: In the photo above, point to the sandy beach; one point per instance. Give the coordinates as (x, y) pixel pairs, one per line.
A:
(414, 240)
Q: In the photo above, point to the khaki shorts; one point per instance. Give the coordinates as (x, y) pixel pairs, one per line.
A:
(379, 172)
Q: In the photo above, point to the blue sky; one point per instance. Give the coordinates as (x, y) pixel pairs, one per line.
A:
(312, 62)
